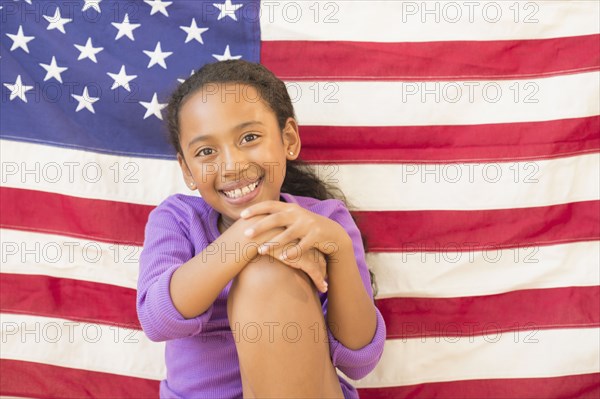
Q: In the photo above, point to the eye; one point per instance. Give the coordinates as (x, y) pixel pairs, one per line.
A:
(203, 152)
(252, 135)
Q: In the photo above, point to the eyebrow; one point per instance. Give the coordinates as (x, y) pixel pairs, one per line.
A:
(238, 127)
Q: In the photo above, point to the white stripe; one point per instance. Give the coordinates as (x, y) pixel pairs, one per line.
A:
(412, 273)
(367, 186)
(80, 345)
(526, 354)
(445, 102)
(535, 354)
(88, 174)
(484, 272)
(468, 186)
(410, 21)
(24, 252)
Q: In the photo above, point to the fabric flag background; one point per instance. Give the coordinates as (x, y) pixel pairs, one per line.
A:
(465, 134)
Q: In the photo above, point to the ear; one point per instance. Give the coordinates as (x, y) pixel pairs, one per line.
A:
(187, 174)
(291, 139)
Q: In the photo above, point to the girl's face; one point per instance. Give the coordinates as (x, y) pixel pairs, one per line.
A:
(233, 149)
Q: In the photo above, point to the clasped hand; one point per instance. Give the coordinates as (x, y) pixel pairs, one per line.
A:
(295, 236)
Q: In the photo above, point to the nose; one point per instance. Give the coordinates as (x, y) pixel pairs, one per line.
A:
(232, 162)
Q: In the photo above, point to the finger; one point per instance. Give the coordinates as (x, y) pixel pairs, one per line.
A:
(323, 265)
(312, 269)
(315, 260)
(291, 253)
(319, 258)
(262, 208)
(274, 248)
(288, 238)
(306, 245)
(269, 222)
(296, 263)
(317, 277)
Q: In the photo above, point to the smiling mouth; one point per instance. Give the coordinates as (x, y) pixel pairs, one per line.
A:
(240, 192)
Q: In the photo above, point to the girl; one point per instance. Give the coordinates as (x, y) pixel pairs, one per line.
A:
(259, 287)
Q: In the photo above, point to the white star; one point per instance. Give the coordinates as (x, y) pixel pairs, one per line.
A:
(159, 6)
(95, 4)
(85, 101)
(227, 10)
(125, 28)
(57, 21)
(153, 107)
(157, 56)
(183, 80)
(227, 55)
(88, 51)
(20, 40)
(193, 32)
(53, 70)
(121, 79)
(18, 89)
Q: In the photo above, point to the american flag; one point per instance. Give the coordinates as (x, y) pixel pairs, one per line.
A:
(465, 134)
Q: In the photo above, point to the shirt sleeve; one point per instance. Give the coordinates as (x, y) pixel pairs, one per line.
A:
(356, 364)
(166, 248)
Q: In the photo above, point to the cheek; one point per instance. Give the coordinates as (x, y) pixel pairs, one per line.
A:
(277, 172)
(207, 181)
(207, 171)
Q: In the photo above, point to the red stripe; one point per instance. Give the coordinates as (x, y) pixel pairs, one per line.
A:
(584, 386)
(447, 60)
(405, 231)
(36, 380)
(533, 309)
(491, 315)
(108, 221)
(450, 231)
(68, 299)
(449, 144)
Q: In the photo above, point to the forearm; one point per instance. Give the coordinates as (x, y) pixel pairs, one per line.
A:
(350, 310)
(196, 284)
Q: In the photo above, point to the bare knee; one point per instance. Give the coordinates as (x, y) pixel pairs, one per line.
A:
(266, 275)
(278, 306)
(267, 280)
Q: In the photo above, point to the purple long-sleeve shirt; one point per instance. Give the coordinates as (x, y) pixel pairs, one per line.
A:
(200, 352)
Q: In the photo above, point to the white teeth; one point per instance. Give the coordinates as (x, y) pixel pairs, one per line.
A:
(237, 193)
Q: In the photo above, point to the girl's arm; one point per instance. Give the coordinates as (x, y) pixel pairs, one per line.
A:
(196, 284)
(351, 312)
(169, 311)
(355, 364)
(354, 322)
(176, 288)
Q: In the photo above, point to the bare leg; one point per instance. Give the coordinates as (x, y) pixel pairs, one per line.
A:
(282, 352)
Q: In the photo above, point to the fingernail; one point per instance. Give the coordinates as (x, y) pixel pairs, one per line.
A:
(282, 257)
(244, 213)
(248, 232)
(262, 249)
(325, 285)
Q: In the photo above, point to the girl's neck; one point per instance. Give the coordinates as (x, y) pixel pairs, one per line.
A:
(222, 225)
